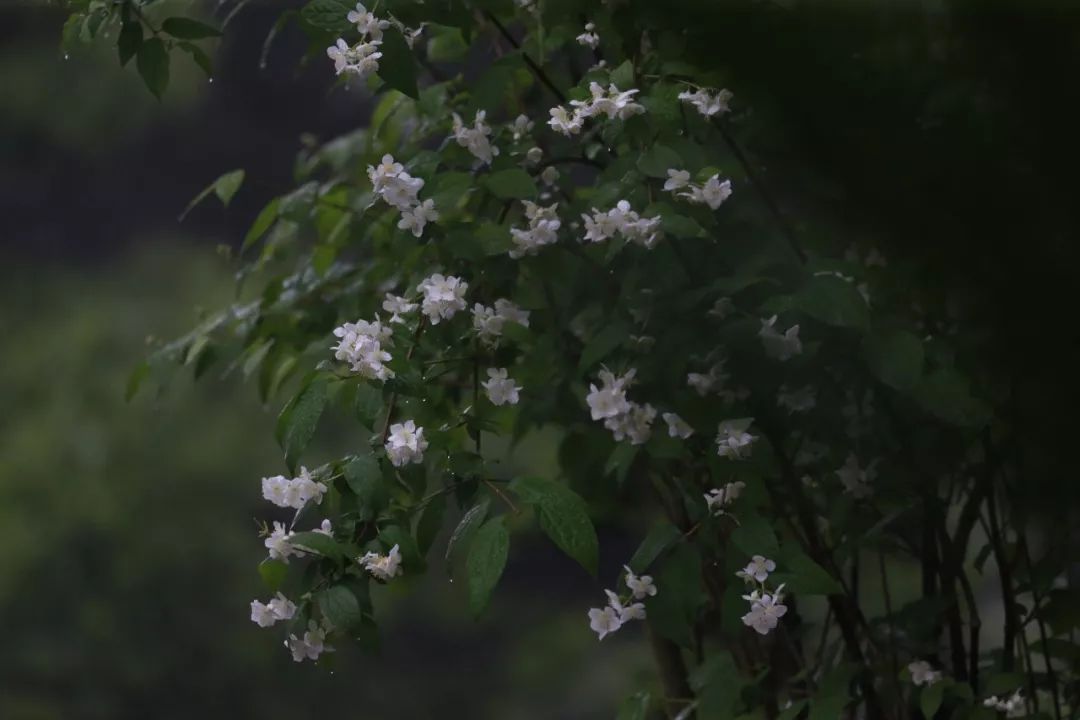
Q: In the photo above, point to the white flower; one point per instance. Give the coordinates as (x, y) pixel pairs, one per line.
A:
(325, 528)
(309, 647)
(543, 229)
(1013, 705)
(499, 388)
(487, 323)
(796, 401)
(635, 424)
(722, 308)
(361, 60)
(534, 154)
(777, 346)
(718, 499)
(604, 621)
(384, 567)
(276, 490)
(922, 673)
(561, 121)
(443, 297)
(713, 193)
(366, 23)
(510, 312)
(856, 481)
(521, 126)
(414, 219)
(397, 306)
(262, 615)
(361, 345)
(589, 38)
(732, 440)
(622, 220)
(599, 226)
(396, 187)
(634, 611)
(765, 611)
(706, 103)
(677, 427)
(550, 175)
(758, 569)
(609, 400)
(676, 179)
(405, 444)
(293, 493)
(475, 139)
(640, 586)
(278, 543)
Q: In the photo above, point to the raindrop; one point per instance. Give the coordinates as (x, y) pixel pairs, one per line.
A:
(212, 82)
(66, 56)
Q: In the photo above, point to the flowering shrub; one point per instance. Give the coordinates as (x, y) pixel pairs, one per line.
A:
(782, 415)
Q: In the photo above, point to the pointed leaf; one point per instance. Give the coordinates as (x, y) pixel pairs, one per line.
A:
(484, 565)
(152, 59)
(397, 66)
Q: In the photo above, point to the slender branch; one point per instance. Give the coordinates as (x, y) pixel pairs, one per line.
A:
(394, 396)
(894, 662)
(536, 69)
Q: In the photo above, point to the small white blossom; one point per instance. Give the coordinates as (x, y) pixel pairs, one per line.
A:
(609, 400)
(732, 440)
(677, 179)
(262, 615)
(550, 175)
(500, 388)
(641, 586)
(361, 60)
(443, 297)
(635, 424)
(796, 401)
(563, 122)
(534, 155)
(604, 621)
(589, 38)
(622, 220)
(294, 493)
(757, 570)
(857, 481)
(521, 127)
(543, 229)
(922, 673)
(415, 218)
(633, 611)
(366, 23)
(677, 427)
(713, 193)
(707, 103)
(405, 444)
(397, 306)
(510, 312)
(780, 346)
(765, 611)
(718, 499)
(361, 345)
(279, 608)
(325, 528)
(384, 567)
(310, 646)
(475, 139)
(1013, 705)
(278, 543)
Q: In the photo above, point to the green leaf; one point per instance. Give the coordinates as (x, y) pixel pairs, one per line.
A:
(340, 607)
(184, 28)
(140, 373)
(792, 711)
(832, 695)
(297, 421)
(318, 542)
(509, 184)
(563, 516)
(364, 477)
(127, 44)
(673, 610)
(930, 699)
(262, 223)
(895, 357)
(464, 532)
(659, 539)
(397, 66)
(833, 301)
(623, 76)
(635, 707)
(657, 160)
(485, 562)
(330, 15)
(755, 536)
(804, 576)
(717, 685)
(621, 460)
(199, 56)
(273, 573)
(369, 404)
(610, 337)
(945, 394)
(224, 188)
(430, 522)
(152, 59)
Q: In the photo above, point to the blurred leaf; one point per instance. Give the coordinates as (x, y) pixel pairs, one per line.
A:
(225, 187)
(833, 301)
(318, 542)
(340, 607)
(755, 536)
(563, 516)
(945, 394)
(135, 380)
(369, 404)
(298, 419)
(129, 41)
(397, 66)
(623, 76)
(187, 29)
(364, 477)
(484, 565)
(930, 699)
(895, 357)
(833, 694)
(263, 221)
(464, 532)
(716, 683)
(514, 183)
(199, 56)
(673, 610)
(657, 160)
(659, 539)
(635, 707)
(152, 59)
(273, 573)
(430, 522)
(330, 15)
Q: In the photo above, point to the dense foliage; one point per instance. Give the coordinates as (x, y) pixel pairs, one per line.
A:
(550, 220)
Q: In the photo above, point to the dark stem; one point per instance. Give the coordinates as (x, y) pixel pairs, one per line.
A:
(536, 69)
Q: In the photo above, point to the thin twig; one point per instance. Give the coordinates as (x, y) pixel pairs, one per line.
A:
(394, 396)
(536, 69)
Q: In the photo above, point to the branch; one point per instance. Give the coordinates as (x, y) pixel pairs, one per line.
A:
(536, 69)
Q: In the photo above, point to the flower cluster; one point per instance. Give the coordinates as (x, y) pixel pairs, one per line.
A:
(611, 102)
(399, 189)
(625, 419)
(766, 608)
(361, 59)
(311, 645)
(294, 493)
(488, 322)
(398, 306)
(279, 608)
(279, 545)
(521, 127)
(500, 388)
(780, 346)
(384, 567)
(712, 193)
(363, 346)
(405, 444)
(543, 230)
(622, 220)
(718, 499)
(732, 440)
(589, 38)
(857, 481)
(707, 103)
(443, 297)
(475, 139)
(922, 673)
(1011, 705)
(619, 611)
